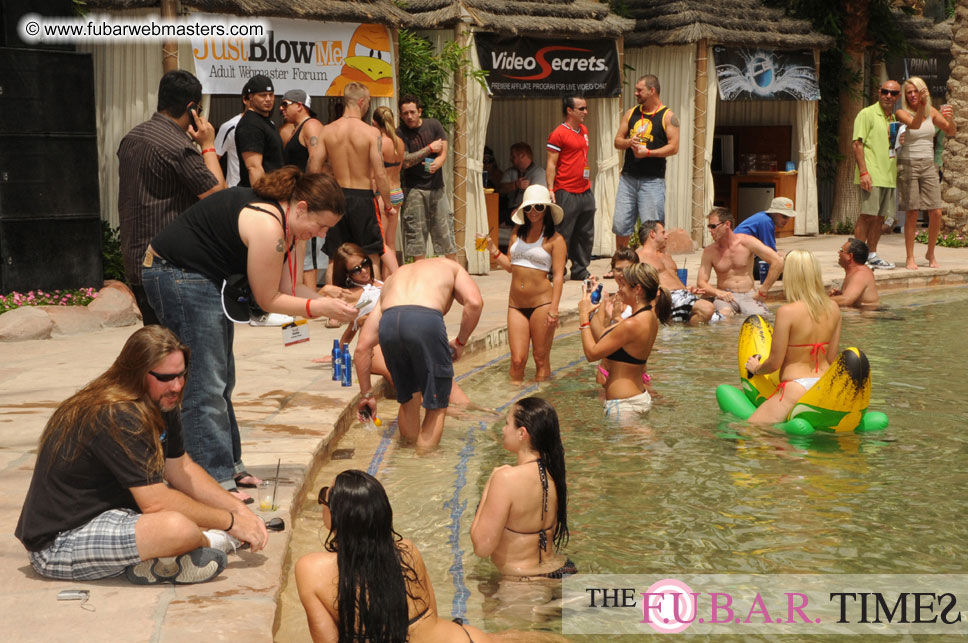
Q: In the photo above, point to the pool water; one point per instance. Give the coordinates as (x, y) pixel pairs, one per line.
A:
(687, 490)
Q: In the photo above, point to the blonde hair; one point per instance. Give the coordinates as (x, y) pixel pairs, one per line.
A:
(802, 282)
(919, 85)
(353, 92)
(383, 117)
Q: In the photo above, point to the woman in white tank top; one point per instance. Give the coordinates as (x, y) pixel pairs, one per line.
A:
(918, 184)
(535, 251)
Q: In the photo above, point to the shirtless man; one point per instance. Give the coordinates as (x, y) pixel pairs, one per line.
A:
(858, 289)
(354, 151)
(687, 305)
(731, 255)
(408, 324)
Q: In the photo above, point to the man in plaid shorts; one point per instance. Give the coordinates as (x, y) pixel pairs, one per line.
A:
(98, 503)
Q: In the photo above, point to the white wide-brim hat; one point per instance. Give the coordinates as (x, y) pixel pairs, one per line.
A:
(537, 195)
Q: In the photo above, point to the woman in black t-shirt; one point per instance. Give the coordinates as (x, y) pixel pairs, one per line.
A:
(258, 232)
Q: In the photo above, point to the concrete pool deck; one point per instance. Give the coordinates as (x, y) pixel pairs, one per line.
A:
(289, 410)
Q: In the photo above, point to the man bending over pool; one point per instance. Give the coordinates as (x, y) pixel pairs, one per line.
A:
(731, 255)
(408, 324)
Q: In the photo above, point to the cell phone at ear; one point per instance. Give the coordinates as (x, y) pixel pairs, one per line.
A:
(191, 117)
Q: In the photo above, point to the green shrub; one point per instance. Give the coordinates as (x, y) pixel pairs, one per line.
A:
(111, 252)
(950, 240)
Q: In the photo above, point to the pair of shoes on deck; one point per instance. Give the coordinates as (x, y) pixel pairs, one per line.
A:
(197, 566)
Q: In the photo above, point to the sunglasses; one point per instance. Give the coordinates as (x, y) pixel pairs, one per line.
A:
(366, 263)
(537, 207)
(321, 499)
(284, 104)
(276, 524)
(167, 377)
(581, 109)
(890, 92)
(713, 226)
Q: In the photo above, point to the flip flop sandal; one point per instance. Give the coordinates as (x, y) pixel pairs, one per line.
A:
(246, 485)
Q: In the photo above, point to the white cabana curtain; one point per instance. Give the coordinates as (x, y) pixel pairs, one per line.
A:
(606, 113)
(805, 135)
(712, 99)
(477, 116)
(676, 70)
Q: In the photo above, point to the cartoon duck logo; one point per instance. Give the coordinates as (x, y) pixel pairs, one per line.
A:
(367, 62)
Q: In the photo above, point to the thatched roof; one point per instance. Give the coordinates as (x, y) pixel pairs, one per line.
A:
(925, 34)
(557, 17)
(379, 11)
(721, 22)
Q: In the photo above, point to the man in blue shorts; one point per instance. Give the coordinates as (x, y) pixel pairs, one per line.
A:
(113, 491)
(409, 326)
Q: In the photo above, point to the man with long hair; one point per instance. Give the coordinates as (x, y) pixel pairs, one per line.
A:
(98, 503)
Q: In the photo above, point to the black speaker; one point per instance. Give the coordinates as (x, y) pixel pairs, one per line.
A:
(47, 253)
(11, 11)
(46, 91)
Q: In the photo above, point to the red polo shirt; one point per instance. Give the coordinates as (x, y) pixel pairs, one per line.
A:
(572, 147)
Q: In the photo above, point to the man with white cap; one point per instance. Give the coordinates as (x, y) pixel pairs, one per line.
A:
(763, 225)
(256, 137)
(304, 148)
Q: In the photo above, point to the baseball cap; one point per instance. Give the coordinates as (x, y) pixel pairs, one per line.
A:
(782, 205)
(257, 84)
(299, 96)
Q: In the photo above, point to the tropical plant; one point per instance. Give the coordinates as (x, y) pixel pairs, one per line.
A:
(111, 257)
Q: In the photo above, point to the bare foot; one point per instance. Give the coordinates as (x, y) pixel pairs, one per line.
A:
(325, 359)
(244, 497)
(911, 265)
(932, 262)
(333, 323)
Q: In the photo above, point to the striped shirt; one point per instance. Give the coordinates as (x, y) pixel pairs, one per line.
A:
(161, 173)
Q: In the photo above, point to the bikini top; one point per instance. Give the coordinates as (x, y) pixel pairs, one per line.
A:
(530, 255)
(542, 536)
(620, 355)
(385, 164)
(815, 350)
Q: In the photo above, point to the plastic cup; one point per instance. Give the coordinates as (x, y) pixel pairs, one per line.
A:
(683, 274)
(480, 242)
(947, 110)
(266, 490)
(427, 162)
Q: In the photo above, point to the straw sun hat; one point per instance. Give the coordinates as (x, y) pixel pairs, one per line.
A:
(534, 195)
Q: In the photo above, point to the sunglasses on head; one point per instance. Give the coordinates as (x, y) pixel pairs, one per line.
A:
(322, 499)
(366, 263)
(537, 207)
(167, 377)
(890, 92)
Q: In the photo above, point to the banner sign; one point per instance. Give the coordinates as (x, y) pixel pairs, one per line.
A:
(317, 57)
(765, 74)
(538, 67)
(934, 71)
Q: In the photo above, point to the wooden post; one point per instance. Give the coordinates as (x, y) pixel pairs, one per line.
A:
(699, 143)
(460, 155)
(169, 48)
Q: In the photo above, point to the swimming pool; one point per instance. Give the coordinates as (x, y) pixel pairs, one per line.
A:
(688, 491)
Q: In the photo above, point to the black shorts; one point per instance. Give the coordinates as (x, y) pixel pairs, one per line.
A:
(414, 344)
(359, 225)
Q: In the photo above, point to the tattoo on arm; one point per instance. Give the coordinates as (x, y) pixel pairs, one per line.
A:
(673, 120)
(280, 246)
(411, 159)
(313, 140)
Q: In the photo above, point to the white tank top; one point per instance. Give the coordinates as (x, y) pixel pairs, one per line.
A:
(530, 255)
(918, 143)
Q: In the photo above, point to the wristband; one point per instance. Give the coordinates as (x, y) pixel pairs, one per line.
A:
(864, 174)
(584, 326)
(761, 293)
(495, 255)
(648, 152)
(231, 524)
(309, 315)
(366, 395)
(209, 149)
(459, 343)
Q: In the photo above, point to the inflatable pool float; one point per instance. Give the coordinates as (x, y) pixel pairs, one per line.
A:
(836, 404)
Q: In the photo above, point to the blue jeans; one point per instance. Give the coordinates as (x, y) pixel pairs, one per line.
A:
(642, 198)
(190, 305)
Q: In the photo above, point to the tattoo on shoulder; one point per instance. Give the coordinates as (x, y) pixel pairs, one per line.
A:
(280, 246)
(673, 120)
(313, 140)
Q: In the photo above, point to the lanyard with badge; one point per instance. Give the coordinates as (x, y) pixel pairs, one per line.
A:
(296, 331)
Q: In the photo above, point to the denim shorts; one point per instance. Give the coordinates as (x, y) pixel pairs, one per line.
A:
(102, 548)
(638, 198)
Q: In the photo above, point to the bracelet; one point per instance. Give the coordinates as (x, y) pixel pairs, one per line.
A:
(648, 152)
(864, 174)
(366, 395)
(231, 524)
(495, 255)
(459, 343)
(309, 315)
(584, 326)
(761, 293)
(209, 149)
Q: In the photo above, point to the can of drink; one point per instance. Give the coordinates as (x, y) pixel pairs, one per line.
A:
(762, 269)
(427, 162)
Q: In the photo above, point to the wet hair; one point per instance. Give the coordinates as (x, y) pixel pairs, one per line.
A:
(723, 214)
(652, 82)
(375, 572)
(541, 421)
(919, 85)
(353, 92)
(858, 250)
(409, 98)
(524, 148)
(176, 90)
(116, 403)
(646, 276)
(383, 117)
(802, 281)
(341, 276)
(568, 102)
(319, 191)
(624, 254)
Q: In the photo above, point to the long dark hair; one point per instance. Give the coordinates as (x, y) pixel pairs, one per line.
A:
(548, 222)
(646, 276)
(541, 421)
(374, 577)
(341, 277)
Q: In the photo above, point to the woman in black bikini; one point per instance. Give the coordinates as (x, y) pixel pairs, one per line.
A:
(393, 149)
(522, 520)
(628, 344)
(535, 250)
(369, 584)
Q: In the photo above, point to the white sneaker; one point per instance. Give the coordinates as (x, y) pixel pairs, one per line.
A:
(222, 540)
(271, 319)
(874, 262)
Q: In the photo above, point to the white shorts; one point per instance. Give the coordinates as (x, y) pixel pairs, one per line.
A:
(628, 408)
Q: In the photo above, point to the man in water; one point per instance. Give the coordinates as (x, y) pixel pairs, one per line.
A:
(858, 289)
(687, 305)
(408, 324)
(731, 255)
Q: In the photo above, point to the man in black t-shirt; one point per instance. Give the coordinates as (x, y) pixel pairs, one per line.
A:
(257, 139)
(98, 503)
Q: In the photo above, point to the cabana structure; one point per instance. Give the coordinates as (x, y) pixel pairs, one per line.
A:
(675, 40)
(501, 122)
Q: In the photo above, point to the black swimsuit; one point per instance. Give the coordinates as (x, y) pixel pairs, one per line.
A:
(527, 312)
(621, 355)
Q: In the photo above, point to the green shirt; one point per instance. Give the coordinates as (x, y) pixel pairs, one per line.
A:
(871, 127)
